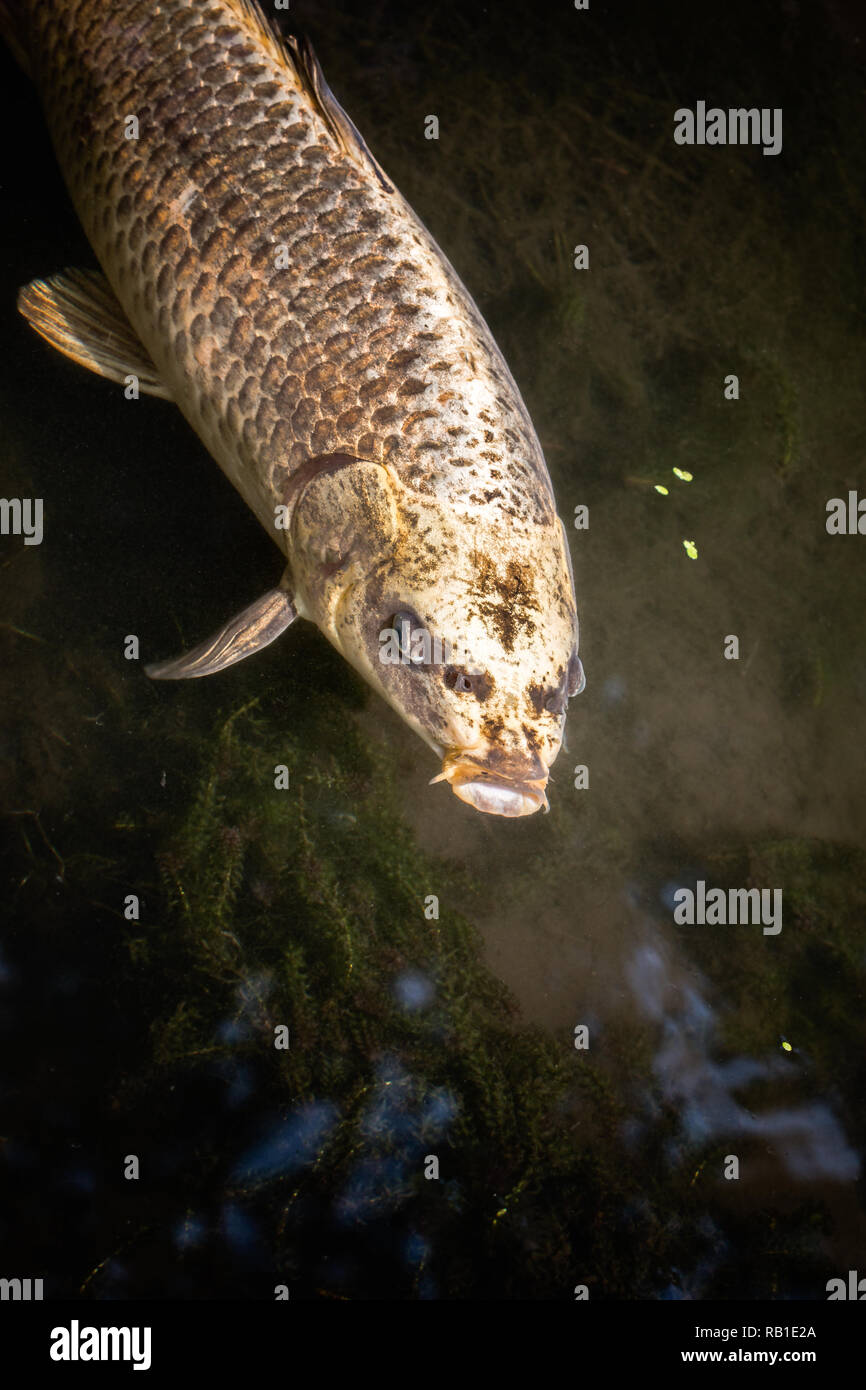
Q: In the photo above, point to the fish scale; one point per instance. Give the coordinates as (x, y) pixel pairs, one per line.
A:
(352, 345)
(263, 272)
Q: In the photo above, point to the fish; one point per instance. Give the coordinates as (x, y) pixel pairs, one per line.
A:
(260, 269)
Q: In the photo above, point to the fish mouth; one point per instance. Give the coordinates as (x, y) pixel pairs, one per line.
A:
(494, 792)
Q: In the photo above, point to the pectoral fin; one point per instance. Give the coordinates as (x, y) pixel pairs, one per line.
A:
(246, 633)
(78, 313)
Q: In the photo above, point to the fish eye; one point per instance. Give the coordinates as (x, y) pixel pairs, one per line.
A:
(458, 680)
(576, 677)
(407, 626)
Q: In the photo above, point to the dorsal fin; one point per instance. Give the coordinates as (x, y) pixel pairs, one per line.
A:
(261, 28)
(298, 55)
(341, 126)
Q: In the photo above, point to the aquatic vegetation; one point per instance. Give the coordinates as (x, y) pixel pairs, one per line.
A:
(329, 923)
(286, 908)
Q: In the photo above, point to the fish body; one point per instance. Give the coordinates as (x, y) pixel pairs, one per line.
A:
(264, 273)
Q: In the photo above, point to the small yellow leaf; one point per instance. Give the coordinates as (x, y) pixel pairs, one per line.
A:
(691, 549)
(683, 475)
(662, 490)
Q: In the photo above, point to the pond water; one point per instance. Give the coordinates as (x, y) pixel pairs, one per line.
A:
(654, 1108)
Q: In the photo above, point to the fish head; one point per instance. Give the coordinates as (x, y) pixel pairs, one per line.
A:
(508, 685)
(464, 620)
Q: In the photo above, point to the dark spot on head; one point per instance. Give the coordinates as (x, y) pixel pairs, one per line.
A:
(507, 598)
(537, 697)
(493, 727)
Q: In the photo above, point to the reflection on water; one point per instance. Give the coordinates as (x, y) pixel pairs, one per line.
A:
(452, 1039)
(291, 1144)
(808, 1139)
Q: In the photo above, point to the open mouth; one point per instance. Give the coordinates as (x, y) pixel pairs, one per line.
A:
(489, 792)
